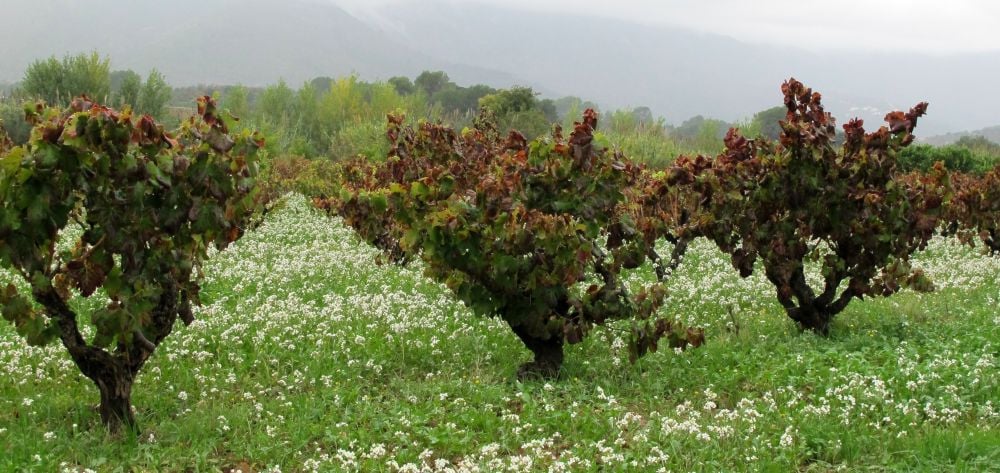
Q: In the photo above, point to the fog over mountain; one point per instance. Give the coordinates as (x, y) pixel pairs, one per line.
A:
(614, 61)
(253, 42)
(681, 73)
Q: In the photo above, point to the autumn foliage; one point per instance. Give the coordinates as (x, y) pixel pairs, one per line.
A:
(974, 210)
(536, 233)
(808, 200)
(140, 209)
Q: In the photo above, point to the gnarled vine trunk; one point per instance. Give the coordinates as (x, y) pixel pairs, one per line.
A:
(811, 318)
(992, 242)
(114, 382)
(801, 303)
(548, 355)
(113, 373)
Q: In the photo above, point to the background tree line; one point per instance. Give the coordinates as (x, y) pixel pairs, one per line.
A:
(338, 118)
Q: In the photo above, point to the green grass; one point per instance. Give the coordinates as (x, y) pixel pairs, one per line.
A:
(309, 357)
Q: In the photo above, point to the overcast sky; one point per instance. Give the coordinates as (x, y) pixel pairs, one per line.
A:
(934, 26)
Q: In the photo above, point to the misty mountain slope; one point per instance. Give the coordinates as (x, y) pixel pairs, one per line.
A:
(990, 133)
(677, 72)
(254, 42)
(612, 62)
(681, 73)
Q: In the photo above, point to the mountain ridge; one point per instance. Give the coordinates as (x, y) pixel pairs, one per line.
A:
(678, 73)
(300, 40)
(991, 133)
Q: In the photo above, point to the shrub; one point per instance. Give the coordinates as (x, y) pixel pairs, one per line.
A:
(662, 210)
(804, 200)
(535, 233)
(358, 139)
(5, 142)
(314, 177)
(58, 81)
(922, 157)
(975, 209)
(141, 208)
(12, 120)
(651, 146)
(985, 153)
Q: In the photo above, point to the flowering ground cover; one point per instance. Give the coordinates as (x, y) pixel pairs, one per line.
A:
(308, 356)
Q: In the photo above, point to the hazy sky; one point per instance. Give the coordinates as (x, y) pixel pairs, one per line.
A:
(936, 26)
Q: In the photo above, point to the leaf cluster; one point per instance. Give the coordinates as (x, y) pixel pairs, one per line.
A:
(146, 206)
(538, 233)
(974, 210)
(804, 199)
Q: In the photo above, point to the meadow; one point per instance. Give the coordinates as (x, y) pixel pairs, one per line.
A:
(309, 356)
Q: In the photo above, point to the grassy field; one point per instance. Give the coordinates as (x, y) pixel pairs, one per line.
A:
(309, 357)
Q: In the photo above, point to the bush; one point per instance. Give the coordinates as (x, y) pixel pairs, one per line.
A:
(536, 234)
(359, 139)
(58, 81)
(985, 153)
(5, 142)
(803, 200)
(652, 148)
(12, 120)
(141, 208)
(313, 177)
(922, 157)
(974, 211)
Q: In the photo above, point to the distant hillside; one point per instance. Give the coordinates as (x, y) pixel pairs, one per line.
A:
(681, 73)
(991, 133)
(676, 72)
(254, 42)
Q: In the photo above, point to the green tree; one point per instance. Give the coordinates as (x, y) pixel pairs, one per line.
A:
(463, 99)
(508, 101)
(985, 153)
(921, 157)
(979, 143)
(643, 116)
(154, 95)
(125, 88)
(517, 108)
(572, 111)
(382, 100)
(343, 102)
(569, 109)
(237, 102)
(707, 138)
(689, 128)
(56, 82)
(12, 119)
(308, 128)
(322, 83)
(621, 122)
(768, 122)
(548, 109)
(641, 137)
(276, 103)
(531, 123)
(403, 85)
(432, 82)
